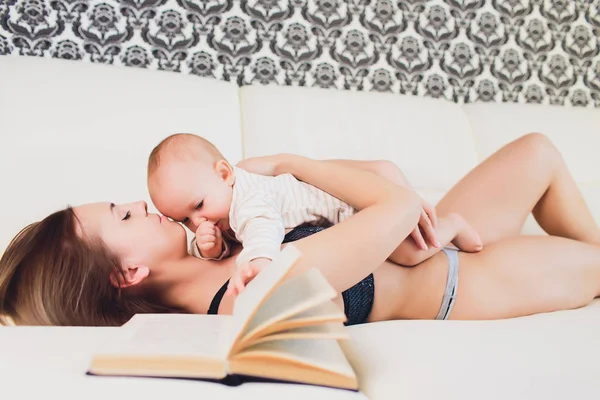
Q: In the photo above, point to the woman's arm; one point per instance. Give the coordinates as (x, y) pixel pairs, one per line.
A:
(422, 233)
(351, 250)
(384, 168)
(267, 165)
(387, 169)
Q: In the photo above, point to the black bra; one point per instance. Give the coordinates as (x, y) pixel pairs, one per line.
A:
(358, 300)
(216, 301)
(296, 233)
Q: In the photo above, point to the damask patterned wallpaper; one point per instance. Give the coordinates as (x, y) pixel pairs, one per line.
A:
(532, 51)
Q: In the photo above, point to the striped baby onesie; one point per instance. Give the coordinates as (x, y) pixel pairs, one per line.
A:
(265, 208)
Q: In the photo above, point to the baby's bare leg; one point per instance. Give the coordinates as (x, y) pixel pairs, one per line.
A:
(451, 228)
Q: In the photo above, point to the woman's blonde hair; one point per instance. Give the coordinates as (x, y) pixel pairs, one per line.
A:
(50, 275)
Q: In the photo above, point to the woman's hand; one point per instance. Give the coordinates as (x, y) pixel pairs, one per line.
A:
(265, 165)
(426, 227)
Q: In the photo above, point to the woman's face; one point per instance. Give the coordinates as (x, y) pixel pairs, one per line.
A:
(136, 237)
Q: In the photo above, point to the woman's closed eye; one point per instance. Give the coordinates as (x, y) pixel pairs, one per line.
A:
(127, 216)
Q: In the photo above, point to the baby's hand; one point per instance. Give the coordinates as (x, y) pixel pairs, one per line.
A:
(209, 240)
(244, 274)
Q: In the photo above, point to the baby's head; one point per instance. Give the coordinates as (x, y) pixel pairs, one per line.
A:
(189, 180)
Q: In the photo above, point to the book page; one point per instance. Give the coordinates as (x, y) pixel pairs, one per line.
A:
(327, 311)
(320, 353)
(150, 335)
(298, 294)
(321, 314)
(259, 289)
(329, 330)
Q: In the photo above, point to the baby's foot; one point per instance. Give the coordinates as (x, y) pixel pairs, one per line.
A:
(467, 239)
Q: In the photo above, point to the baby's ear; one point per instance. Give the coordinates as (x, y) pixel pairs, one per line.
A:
(225, 171)
(129, 276)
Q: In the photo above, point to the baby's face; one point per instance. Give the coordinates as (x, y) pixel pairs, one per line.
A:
(190, 191)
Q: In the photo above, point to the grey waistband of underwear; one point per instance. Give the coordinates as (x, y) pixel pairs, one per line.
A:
(451, 284)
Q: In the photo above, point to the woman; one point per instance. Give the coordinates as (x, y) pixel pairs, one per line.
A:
(98, 264)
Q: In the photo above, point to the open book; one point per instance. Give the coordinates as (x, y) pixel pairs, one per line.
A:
(282, 329)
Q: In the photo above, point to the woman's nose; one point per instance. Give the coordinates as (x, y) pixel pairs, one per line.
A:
(143, 206)
(139, 208)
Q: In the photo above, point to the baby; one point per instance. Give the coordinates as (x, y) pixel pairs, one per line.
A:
(190, 181)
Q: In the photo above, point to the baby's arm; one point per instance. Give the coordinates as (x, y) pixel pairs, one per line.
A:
(259, 227)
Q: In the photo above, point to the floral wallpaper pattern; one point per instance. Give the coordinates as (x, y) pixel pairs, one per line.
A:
(528, 51)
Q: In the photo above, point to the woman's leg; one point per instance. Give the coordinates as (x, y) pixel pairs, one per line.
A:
(527, 175)
(514, 277)
(527, 275)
